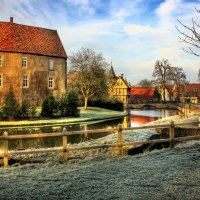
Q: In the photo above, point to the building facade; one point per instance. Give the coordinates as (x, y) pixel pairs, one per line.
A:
(32, 62)
(190, 93)
(118, 86)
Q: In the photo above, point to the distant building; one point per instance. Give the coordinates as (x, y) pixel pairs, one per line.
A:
(198, 76)
(167, 93)
(118, 86)
(190, 93)
(144, 95)
(32, 62)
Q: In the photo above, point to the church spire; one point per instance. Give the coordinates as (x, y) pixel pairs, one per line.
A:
(111, 73)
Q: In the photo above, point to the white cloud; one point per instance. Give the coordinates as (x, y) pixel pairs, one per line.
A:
(167, 7)
(134, 46)
(136, 29)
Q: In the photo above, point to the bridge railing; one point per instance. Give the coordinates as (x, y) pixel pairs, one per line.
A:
(64, 149)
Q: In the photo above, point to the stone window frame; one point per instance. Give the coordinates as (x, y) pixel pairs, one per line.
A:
(1, 80)
(24, 62)
(50, 82)
(1, 60)
(25, 81)
(51, 64)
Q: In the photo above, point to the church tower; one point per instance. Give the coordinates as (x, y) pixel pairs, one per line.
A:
(112, 78)
(198, 76)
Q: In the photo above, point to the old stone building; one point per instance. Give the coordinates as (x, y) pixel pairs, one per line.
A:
(118, 87)
(32, 62)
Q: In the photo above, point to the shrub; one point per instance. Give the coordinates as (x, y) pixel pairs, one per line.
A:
(49, 106)
(69, 104)
(72, 103)
(109, 103)
(24, 110)
(63, 105)
(32, 111)
(11, 107)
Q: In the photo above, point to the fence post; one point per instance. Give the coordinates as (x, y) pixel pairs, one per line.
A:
(171, 134)
(65, 156)
(5, 150)
(120, 140)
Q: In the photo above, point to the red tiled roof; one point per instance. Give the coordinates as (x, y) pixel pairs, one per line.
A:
(191, 89)
(28, 39)
(142, 93)
(193, 85)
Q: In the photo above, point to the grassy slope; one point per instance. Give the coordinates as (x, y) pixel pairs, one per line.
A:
(93, 113)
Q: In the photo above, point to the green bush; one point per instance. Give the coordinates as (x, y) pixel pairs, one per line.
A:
(49, 106)
(24, 111)
(63, 105)
(32, 111)
(69, 104)
(11, 108)
(109, 103)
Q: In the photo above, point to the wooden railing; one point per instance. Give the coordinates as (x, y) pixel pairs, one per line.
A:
(65, 148)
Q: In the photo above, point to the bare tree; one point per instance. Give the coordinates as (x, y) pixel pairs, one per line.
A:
(145, 83)
(161, 73)
(178, 76)
(90, 68)
(190, 35)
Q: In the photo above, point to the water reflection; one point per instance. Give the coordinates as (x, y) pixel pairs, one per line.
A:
(135, 118)
(139, 117)
(139, 120)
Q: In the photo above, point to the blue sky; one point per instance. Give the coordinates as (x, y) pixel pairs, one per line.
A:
(131, 33)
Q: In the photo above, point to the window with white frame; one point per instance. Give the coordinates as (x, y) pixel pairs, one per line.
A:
(50, 82)
(24, 62)
(1, 61)
(51, 64)
(25, 81)
(1, 80)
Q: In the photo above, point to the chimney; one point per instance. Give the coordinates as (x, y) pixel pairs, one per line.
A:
(122, 75)
(11, 19)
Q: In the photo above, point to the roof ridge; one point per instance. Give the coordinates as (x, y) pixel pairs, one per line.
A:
(29, 26)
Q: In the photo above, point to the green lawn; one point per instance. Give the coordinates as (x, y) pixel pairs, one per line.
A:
(93, 113)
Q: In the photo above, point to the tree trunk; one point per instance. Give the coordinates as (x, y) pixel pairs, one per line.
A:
(86, 103)
(164, 94)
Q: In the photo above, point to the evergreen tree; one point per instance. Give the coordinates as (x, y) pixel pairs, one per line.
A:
(69, 104)
(49, 106)
(11, 106)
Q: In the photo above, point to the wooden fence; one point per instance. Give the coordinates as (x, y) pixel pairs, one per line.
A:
(120, 144)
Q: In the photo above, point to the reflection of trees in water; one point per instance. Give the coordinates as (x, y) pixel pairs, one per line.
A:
(57, 141)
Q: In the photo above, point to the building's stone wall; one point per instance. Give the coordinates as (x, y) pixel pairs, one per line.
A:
(37, 71)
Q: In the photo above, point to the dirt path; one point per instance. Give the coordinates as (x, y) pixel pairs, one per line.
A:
(165, 174)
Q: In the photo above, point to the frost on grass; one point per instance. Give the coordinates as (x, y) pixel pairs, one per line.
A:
(165, 174)
(159, 174)
(128, 136)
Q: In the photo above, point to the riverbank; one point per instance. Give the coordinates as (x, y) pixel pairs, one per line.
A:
(96, 174)
(93, 113)
(162, 175)
(128, 136)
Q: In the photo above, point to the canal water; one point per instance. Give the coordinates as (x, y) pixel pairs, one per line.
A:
(134, 118)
